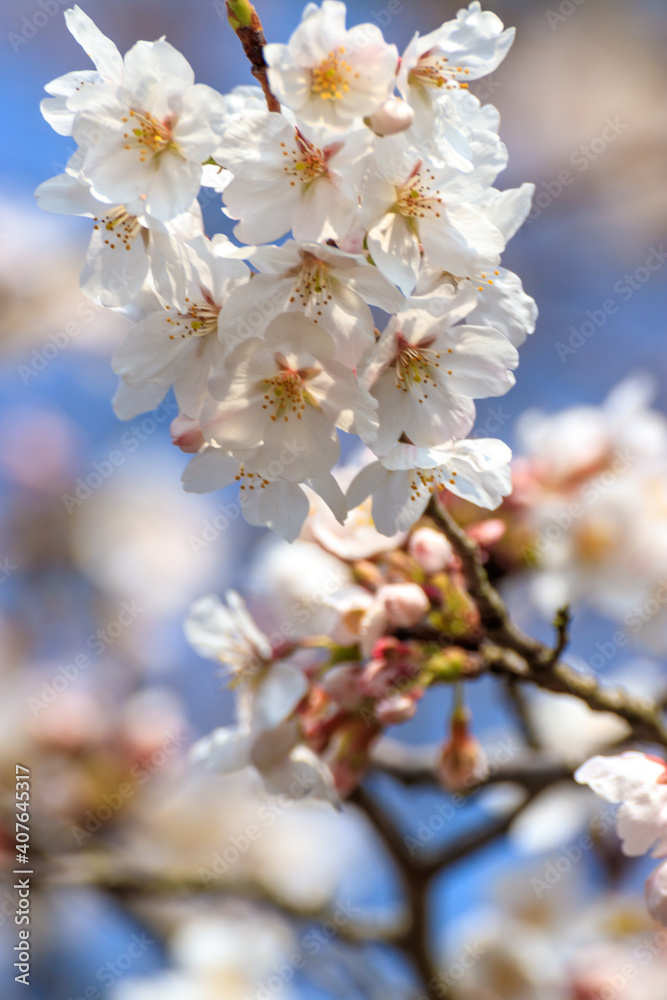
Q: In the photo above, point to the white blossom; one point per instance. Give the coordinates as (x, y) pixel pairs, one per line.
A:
(425, 374)
(286, 390)
(146, 130)
(329, 75)
(403, 482)
(182, 348)
(330, 287)
(639, 783)
(303, 180)
(267, 737)
(266, 497)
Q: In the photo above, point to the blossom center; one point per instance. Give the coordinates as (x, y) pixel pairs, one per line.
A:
(145, 133)
(425, 482)
(119, 227)
(433, 70)
(284, 395)
(415, 198)
(330, 80)
(415, 367)
(200, 319)
(250, 480)
(304, 162)
(312, 282)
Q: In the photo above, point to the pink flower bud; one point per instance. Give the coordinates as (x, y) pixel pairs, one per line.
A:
(394, 116)
(405, 604)
(462, 761)
(342, 685)
(186, 434)
(655, 892)
(487, 533)
(430, 549)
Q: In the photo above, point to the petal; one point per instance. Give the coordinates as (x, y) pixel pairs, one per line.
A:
(395, 250)
(97, 46)
(224, 750)
(130, 401)
(209, 471)
(277, 695)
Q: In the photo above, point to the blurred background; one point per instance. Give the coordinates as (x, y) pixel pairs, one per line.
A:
(100, 559)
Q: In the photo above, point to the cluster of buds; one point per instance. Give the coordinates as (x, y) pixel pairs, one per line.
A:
(310, 710)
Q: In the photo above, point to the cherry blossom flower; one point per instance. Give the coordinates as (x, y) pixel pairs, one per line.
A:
(329, 75)
(411, 205)
(639, 783)
(464, 49)
(403, 482)
(284, 178)
(228, 634)
(126, 245)
(109, 69)
(424, 375)
(329, 286)
(287, 389)
(181, 348)
(266, 498)
(144, 129)
(268, 737)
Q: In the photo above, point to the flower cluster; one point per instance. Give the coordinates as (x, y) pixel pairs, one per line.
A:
(379, 170)
(358, 627)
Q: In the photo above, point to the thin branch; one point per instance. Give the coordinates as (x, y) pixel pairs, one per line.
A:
(414, 941)
(562, 626)
(512, 654)
(644, 716)
(519, 705)
(494, 615)
(245, 21)
(415, 765)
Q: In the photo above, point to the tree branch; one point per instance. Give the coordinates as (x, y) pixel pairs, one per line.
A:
(245, 21)
(512, 654)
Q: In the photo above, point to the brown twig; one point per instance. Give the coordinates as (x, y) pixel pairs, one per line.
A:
(416, 880)
(244, 20)
(510, 653)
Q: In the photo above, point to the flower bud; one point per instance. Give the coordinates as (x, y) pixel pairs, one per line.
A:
(394, 116)
(655, 892)
(430, 549)
(186, 434)
(487, 533)
(404, 604)
(462, 762)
